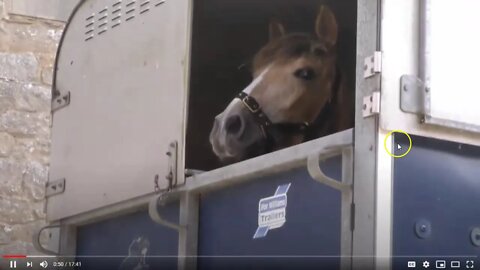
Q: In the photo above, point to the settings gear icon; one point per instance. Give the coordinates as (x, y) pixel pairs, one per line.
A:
(426, 264)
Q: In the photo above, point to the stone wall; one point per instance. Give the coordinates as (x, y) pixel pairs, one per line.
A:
(27, 51)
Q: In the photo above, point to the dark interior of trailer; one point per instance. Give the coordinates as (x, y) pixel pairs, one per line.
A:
(226, 34)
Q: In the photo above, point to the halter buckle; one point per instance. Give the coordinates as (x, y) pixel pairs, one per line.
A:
(253, 108)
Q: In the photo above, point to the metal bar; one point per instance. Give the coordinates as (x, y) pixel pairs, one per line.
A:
(255, 168)
(346, 237)
(103, 213)
(368, 35)
(36, 240)
(157, 217)
(318, 175)
(345, 187)
(384, 204)
(68, 240)
(188, 238)
(278, 161)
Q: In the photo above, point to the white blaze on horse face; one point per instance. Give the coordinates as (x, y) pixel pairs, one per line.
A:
(248, 90)
(220, 140)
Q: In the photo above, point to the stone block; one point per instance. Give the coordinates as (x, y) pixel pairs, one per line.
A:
(17, 210)
(19, 66)
(47, 75)
(22, 232)
(26, 96)
(11, 176)
(24, 124)
(34, 179)
(7, 143)
(36, 148)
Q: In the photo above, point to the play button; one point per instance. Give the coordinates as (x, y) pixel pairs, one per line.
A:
(401, 143)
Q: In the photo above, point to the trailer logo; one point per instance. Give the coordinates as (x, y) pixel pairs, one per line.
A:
(272, 211)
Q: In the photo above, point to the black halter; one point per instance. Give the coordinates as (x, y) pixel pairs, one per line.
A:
(265, 124)
(306, 129)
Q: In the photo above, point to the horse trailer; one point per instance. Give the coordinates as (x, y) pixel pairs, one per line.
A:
(133, 183)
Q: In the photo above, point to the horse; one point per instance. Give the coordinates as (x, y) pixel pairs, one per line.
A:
(298, 93)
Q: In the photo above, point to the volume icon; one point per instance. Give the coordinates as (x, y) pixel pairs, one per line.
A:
(44, 264)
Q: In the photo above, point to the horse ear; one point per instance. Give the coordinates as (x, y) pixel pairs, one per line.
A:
(275, 29)
(326, 26)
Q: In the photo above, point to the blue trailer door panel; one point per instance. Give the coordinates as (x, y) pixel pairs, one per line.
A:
(436, 214)
(125, 242)
(299, 218)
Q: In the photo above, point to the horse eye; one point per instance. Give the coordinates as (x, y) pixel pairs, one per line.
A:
(305, 73)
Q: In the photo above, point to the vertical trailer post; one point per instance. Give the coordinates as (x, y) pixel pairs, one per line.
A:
(366, 136)
(188, 236)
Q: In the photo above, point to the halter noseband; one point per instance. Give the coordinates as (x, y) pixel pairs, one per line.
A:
(306, 129)
(264, 123)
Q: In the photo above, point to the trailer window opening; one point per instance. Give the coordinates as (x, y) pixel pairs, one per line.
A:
(225, 36)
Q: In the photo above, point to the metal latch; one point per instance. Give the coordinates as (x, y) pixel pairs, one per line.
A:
(171, 175)
(371, 104)
(60, 100)
(372, 65)
(55, 187)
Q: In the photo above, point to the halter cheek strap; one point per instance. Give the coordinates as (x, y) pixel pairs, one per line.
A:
(306, 129)
(264, 123)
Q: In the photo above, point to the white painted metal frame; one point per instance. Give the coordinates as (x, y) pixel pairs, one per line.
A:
(366, 139)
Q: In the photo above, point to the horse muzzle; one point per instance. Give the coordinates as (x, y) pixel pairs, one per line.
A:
(235, 134)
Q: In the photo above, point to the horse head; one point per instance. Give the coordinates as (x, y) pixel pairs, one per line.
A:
(294, 78)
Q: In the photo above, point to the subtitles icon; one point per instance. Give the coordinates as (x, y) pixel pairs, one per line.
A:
(440, 264)
(411, 264)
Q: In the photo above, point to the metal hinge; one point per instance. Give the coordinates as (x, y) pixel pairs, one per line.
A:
(371, 104)
(60, 100)
(55, 187)
(352, 217)
(372, 65)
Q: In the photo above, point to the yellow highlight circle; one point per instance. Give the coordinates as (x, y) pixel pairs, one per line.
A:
(385, 143)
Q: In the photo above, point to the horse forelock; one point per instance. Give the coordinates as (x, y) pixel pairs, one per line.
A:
(289, 47)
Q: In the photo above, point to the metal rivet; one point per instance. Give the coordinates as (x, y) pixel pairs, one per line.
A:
(423, 228)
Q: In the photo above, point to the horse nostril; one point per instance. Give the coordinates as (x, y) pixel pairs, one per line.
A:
(233, 125)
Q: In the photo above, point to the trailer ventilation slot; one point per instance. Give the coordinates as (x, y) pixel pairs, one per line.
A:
(112, 16)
